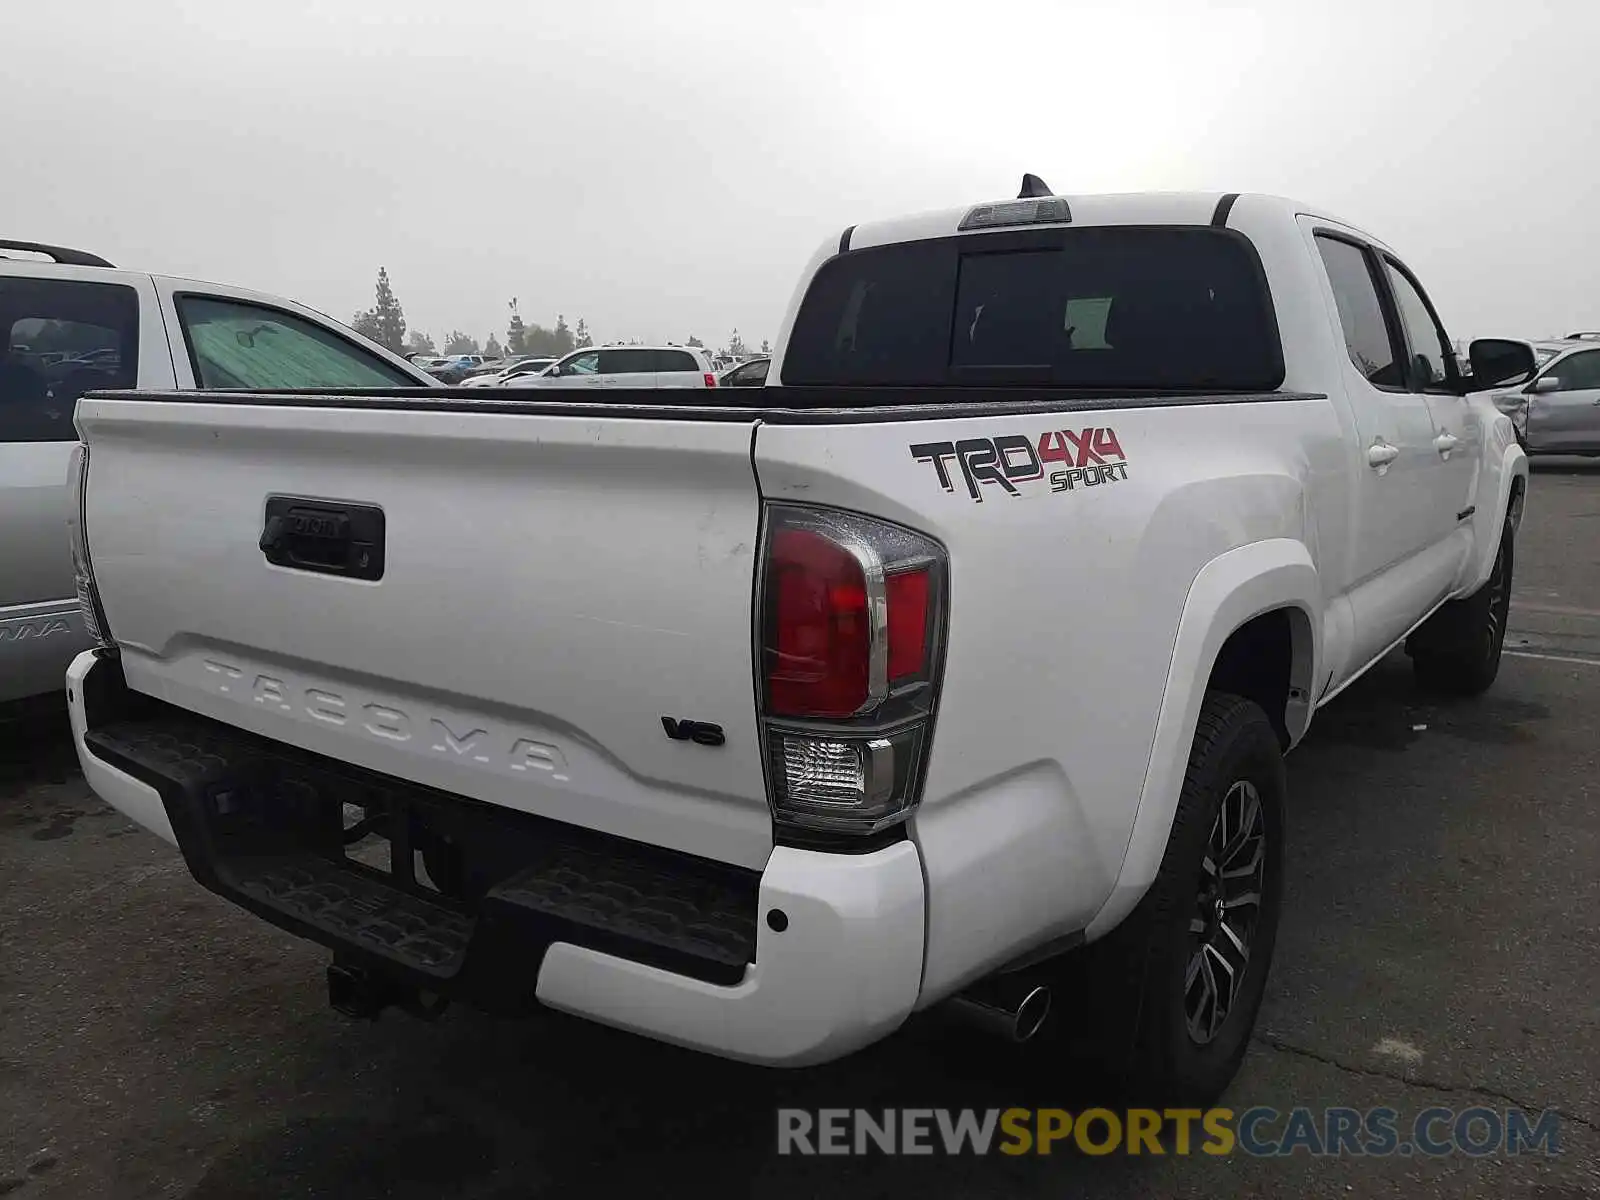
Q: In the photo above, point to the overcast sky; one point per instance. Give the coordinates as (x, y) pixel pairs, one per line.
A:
(664, 169)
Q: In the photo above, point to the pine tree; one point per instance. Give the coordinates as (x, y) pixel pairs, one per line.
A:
(563, 335)
(388, 322)
(418, 342)
(492, 348)
(736, 346)
(584, 340)
(460, 343)
(366, 324)
(516, 332)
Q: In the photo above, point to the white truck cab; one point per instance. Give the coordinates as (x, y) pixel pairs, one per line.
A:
(957, 663)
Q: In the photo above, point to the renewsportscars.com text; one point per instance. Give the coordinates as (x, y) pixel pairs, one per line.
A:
(1260, 1131)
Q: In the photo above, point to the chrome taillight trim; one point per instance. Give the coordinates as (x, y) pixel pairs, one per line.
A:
(886, 714)
(88, 594)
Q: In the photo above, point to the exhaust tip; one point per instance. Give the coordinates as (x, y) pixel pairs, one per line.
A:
(1031, 1014)
(1013, 1011)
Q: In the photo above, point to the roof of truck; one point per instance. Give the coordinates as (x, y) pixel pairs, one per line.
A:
(1126, 208)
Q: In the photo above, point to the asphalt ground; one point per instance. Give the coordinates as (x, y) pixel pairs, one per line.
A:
(1440, 947)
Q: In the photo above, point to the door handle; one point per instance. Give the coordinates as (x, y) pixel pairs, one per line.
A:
(1380, 454)
(1446, 442)
(325, 536)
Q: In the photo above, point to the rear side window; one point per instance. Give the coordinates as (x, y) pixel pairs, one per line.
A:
(627, 362)
(233, 344)
(676, 360)
(61, 338)
(1366, 333)
(1123, 309)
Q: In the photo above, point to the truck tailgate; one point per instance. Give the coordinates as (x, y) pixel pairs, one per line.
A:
(552, 587)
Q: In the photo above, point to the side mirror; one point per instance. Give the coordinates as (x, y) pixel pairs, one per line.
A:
(1545, 383)
(1499, 361)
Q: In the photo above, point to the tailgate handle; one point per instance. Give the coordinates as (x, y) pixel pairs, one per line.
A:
(329, 537)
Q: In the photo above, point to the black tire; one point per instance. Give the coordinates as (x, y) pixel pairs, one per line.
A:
(1142, 969)
(1457, 651)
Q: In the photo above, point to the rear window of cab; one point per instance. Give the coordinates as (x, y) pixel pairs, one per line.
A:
(1121, 308)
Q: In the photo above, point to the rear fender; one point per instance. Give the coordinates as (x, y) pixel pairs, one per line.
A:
(1230, 590)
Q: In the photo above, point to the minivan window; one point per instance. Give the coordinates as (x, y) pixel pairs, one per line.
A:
(234, 344)
(1133, 308)
(61, 338)
(584, 364)
(627, 362)
(676, 360)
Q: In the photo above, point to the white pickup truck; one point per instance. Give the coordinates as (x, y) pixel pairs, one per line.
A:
(957, 663)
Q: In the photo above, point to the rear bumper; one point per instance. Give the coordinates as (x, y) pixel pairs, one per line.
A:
(813, 957)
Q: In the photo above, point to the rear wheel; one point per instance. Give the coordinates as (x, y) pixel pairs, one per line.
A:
(1458, 649)
(1189, 964)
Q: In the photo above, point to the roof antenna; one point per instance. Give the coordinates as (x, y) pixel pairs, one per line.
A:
(1033, 186)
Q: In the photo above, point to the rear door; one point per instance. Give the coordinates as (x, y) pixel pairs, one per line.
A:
(678, 369)
(1567, 420)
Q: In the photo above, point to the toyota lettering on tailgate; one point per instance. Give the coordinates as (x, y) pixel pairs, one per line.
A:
(1086, 457)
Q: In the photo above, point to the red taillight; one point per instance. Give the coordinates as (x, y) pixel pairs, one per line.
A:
(908, 623)
(820, 637)
(711, 380)
(851, 628)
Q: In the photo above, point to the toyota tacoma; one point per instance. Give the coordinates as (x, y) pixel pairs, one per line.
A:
(957, 663)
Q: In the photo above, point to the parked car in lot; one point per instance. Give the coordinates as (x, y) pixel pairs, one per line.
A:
(959, 664)
(510, 375)
(627, 367)
(1543, 352)
(747, 374)
(1558, 411)
(128, 329)
(454, 368)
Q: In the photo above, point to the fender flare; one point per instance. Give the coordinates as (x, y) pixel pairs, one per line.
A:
(1499, 480)
(1230, 590)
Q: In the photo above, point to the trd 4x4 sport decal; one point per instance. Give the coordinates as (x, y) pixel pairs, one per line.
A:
(1086, 458)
